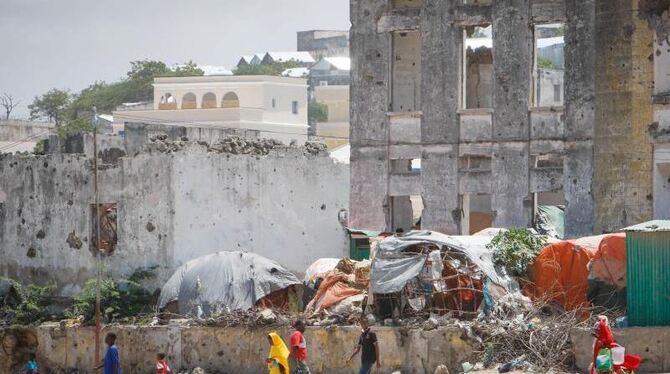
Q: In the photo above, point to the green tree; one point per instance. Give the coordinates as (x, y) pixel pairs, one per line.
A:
(189, 69)
(317, 112)
(276, 68)
(52, 106)
(516, 249)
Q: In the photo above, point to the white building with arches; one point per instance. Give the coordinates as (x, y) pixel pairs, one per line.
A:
(269, 106)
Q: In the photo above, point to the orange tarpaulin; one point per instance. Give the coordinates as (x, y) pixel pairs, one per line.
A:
(332, 290)
(560, 272)
(609, 263)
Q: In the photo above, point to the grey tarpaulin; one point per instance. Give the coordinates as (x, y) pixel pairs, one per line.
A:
(392, 268)
(224, 281)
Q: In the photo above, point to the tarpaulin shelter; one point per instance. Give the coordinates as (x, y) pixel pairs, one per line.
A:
(319, 267)
(560, 272)
(224, 281)
(448, 272)
(332, 290)
(607, 273)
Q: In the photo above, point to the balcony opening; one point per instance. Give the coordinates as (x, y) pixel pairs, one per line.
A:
(476, 213)
(167, 102)
(230, 100)
(549, 70)
(550, 160)
(474, 163)
(106, 214)
(477, 2)
(189, 101)
(406, 166)
(406, 77)
(477, 63)
(661, 69)
(208, 101)
(406, 213)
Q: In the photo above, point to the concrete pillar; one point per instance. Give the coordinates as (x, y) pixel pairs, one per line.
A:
(441, 54)
(512, 55)
(622, 184)
(370, 57)
(579, 116)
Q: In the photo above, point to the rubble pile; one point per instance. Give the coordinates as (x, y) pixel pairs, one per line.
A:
(244, 146)
(252, 318)
(315, 148)
(160, 143)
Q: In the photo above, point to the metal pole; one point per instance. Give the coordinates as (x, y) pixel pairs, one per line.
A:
(97, 238)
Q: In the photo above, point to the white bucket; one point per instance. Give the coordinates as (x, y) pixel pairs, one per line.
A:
(618, 353)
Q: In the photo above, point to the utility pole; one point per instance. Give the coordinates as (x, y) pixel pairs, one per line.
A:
(97, 237)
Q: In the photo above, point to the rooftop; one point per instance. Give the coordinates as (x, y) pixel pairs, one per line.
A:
(658, 225)
(229, 78)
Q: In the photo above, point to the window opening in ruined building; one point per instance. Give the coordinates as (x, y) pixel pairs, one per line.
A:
(661, 180)
(661, 67)
(549, 213)
(406, 166)
(208, 100)
(189, 101)
(406, 212)
(406, 77)
(477, 2)
(294, 107)
(549, 71)
(107, 215)
(477, 67)
(550, 160)
(230, 100)
(474, 162)
(167, 102)
(476, 213)
(406, 4)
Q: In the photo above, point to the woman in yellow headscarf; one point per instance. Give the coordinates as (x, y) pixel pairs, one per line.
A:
(278, 357)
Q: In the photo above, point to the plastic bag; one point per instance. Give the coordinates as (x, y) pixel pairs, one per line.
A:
(604, 361)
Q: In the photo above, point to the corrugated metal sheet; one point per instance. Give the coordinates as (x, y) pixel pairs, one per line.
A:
(651, 226)
(648, 272)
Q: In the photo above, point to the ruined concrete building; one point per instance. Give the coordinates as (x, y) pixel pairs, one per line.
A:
(479, 111)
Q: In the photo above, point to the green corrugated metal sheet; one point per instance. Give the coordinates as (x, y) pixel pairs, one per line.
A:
(648, 273)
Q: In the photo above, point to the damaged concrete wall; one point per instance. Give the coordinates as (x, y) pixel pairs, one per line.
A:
(237, 349)
(622, 185)
(171, 208)
(514, 131)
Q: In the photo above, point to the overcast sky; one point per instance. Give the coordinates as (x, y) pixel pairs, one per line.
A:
(69, 44)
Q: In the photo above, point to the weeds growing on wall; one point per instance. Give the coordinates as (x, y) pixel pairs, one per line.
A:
(24, 304)
(516, 249)
(118, 298)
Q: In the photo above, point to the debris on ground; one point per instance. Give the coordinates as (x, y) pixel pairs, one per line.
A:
(315, 148)
(244, 146)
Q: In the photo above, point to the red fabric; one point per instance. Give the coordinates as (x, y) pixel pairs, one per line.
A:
(298, 340)
(560, 272)
(162, 367)
(333, 289)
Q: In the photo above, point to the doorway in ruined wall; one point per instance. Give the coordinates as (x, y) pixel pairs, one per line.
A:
(476, 213)
(106, 214)
(406, 212)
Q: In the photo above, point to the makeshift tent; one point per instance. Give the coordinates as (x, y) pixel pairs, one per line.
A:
(333, 289)
(224, 281)
(561, 270)
(319, 267)
(449, 272)
(607, 273)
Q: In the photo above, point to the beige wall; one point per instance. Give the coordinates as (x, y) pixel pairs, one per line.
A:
(236, 349)
(265, 105)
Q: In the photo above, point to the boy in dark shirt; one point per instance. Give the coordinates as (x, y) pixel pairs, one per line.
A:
(367, 342)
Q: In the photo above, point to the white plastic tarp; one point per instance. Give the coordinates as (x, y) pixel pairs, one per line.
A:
(224, 281)
(392, 268)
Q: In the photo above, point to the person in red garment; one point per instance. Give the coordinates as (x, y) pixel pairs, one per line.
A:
(604, 338)
(298, 354)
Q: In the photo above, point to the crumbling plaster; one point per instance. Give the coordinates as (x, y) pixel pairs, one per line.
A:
(516, 130)
(171, 208)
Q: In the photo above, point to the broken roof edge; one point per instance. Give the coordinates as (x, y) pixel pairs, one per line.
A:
(657, 225)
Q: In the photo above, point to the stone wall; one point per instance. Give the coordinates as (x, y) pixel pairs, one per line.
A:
(233, 350)
(171, 208)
